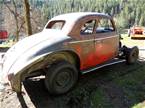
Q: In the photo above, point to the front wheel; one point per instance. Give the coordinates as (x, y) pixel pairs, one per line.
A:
(132, 55)
(61, 77)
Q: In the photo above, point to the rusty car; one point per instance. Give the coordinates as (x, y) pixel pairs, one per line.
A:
(137, 32)
(69, 45)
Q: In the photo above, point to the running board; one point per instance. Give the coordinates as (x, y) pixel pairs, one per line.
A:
(111, 62)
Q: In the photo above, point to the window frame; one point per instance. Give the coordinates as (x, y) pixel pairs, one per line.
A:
(51, 23)
(107, 31)
(94, 26)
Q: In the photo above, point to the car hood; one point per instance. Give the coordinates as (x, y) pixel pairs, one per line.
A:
(17, 55)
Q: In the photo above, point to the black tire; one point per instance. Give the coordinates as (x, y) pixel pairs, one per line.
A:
(132, 55)
(61, 78)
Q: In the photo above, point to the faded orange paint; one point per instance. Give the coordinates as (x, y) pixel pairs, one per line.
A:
(94, 48)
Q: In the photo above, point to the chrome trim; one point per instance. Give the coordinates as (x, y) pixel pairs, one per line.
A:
(93, 39)
(98, 67)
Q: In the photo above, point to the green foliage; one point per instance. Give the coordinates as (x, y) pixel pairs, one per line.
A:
(99, 99)
(127, 12)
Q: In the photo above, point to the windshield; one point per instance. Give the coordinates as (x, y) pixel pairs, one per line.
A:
(55, 25)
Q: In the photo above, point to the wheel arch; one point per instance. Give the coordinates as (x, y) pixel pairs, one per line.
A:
(67, 55)
(50, 59)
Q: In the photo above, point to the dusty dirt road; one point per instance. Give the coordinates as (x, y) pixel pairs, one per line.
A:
(36, 96)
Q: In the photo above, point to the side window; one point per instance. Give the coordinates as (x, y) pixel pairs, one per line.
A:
(55, 25)
(104, 25)
(88, 27)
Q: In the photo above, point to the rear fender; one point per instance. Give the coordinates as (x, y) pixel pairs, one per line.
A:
(46, 60)
(42, 62)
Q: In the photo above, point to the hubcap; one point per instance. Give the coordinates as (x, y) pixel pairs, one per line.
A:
(135, 56)
(63, 78)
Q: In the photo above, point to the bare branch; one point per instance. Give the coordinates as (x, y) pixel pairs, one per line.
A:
(12, 11)
(21, 26)
(15, 7)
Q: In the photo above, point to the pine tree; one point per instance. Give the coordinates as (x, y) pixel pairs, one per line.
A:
(27, 17)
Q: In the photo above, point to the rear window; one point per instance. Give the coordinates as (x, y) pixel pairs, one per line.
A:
(55, 25)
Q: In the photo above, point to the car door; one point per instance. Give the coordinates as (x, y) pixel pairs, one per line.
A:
(87, 44)
(106, 40)
(84, 42)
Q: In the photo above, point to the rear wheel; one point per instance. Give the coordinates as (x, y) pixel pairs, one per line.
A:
(61, 77)
(132, 55)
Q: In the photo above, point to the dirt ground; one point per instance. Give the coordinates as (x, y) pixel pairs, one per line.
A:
(82, 96)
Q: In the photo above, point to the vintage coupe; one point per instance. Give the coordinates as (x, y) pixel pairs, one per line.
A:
(69, 45)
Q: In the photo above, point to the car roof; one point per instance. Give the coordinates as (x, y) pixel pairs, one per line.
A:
(77, 15)
(72, 18)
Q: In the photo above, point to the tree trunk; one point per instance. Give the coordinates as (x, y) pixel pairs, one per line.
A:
(27, 17)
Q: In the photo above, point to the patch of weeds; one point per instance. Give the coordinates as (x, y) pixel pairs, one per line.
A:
(133, 78)
(126, 81)
(136, 76)
(79, 98)
(99, 99)
(132, 85)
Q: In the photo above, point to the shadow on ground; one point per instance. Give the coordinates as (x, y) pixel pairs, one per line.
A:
(116, 86)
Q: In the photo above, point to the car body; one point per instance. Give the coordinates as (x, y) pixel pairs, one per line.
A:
(137, 32)
(81, 40)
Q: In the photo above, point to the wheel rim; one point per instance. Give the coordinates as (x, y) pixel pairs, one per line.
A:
(134, 56)
(63, 79)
